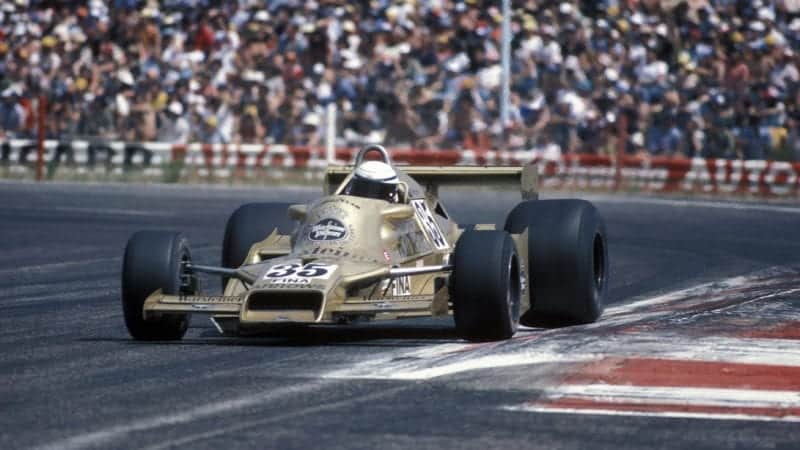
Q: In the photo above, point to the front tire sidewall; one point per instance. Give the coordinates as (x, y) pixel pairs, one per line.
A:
(486, 286)
(152, 261)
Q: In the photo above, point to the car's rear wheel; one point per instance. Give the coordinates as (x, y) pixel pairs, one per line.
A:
(155, 260)
(251, 223)
(486, 286)
(567, 260)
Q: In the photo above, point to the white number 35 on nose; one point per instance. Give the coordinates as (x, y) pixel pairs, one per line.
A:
(310, 270)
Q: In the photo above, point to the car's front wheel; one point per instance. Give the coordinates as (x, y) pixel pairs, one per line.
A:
(155, 260)
(486, 286)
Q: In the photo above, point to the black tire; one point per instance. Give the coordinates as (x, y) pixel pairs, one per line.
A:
(251, 223)
(567, 260)
(153, 261)
(486, 286)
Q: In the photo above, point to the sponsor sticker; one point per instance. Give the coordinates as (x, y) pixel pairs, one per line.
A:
(329, 251)
(299, 274)
(401, 286)
(209, 299)
(328, 230)
(429, 224)
(291, 280)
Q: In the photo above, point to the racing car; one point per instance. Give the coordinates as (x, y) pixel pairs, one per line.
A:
(379, 244)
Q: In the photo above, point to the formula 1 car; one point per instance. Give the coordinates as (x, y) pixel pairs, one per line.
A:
(379, 245)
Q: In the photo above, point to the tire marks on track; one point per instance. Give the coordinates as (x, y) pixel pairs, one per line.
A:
(675, 324)
(106, 436)
(698, 352)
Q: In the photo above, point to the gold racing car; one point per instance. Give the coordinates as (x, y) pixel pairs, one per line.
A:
(379, 245)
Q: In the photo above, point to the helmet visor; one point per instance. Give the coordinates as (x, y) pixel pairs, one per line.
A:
(372, 189)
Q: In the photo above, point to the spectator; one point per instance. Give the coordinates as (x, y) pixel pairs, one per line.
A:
(12, 115)
(97, 123)
(174, 128)
(714, 78)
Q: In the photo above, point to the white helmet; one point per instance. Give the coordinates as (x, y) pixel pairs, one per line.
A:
(374, 179)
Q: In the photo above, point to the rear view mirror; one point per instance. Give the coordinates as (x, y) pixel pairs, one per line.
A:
(398, 212)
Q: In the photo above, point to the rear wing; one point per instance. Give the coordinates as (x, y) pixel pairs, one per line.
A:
(432, 177)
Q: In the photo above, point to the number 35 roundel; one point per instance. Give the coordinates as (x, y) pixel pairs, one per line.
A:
(295, 270)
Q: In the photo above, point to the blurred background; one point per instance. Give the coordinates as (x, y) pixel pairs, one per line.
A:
(680, 79)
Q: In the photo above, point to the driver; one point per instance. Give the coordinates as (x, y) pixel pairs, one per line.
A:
(374, 179)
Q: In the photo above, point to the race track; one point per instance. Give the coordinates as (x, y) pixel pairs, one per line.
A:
(698, 348)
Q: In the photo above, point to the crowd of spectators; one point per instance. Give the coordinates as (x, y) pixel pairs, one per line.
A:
(710, 78)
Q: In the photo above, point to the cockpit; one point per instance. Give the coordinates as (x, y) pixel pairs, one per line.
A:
(376, 179)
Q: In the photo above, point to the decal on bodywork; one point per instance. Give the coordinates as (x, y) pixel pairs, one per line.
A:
(429, 224)
(401, 286)
(411, 240)
(217, 299)
(322, 251)
(328, 229)
(296, 273)
(327, 224)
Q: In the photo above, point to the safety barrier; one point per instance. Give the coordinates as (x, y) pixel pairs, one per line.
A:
(580, 171)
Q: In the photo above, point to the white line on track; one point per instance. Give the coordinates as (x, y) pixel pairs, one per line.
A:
(662, 414)
(188, 439)
(576, 345)
(636, 312)
(771, 352)
(104, 437)
(411, 366)
(701, 289)
(442, 361)
(670, 395)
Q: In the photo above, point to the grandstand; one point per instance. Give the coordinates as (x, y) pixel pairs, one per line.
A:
(701, 78)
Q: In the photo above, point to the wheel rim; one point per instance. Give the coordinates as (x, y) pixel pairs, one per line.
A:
(513, 293)
(188, 280)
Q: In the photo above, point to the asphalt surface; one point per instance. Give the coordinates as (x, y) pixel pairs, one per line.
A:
(70, 377)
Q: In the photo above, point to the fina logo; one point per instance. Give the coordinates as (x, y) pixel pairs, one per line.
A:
(327, 230)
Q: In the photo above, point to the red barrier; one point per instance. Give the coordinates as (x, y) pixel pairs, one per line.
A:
(571, 171)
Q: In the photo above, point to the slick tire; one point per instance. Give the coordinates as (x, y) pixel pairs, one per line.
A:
(153, 261)
(486, 286)
(251, 223)
(567, 260)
